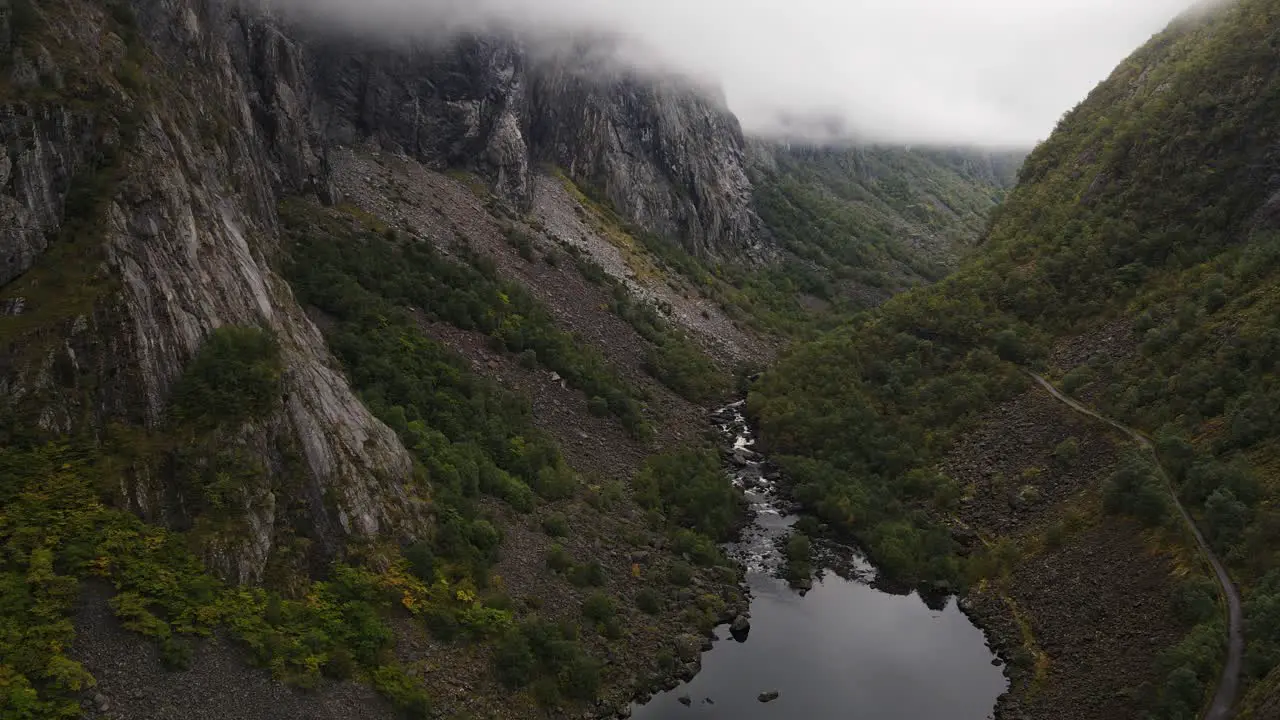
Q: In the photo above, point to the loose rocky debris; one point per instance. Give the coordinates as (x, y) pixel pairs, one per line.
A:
(220, 685)
(1008, 471)
(1080, 619)
(567, 222)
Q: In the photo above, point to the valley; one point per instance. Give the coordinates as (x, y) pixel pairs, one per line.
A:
(345, 377)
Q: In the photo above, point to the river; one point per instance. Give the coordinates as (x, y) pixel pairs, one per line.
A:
(844, 649)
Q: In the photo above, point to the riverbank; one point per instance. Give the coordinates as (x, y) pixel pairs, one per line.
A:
(1079, 603)
(845, 645)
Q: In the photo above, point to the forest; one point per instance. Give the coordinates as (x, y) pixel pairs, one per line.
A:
(1150, 208)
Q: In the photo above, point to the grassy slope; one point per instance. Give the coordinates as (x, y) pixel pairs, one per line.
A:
(1145, 211)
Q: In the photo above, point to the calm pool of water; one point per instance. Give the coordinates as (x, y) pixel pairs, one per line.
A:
(844, 650)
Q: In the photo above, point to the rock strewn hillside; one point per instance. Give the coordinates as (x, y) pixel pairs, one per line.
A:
(307, 354)
(1135, 261)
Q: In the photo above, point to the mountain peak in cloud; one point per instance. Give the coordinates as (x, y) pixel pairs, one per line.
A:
(983, 72)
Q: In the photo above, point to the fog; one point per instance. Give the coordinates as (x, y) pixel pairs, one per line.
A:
(985, 72)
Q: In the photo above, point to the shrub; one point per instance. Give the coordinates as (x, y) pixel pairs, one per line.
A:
(1196, 601)
(1262, 631)
(559, 559)
(799, 554)
(599, 608)
(598, 406)
(649, 601)
(514, 661)
(556, 525)
(234, 377)
(1055, 536)
(1226, 518)
(422, 561)
(680, 573)
(684, 368)
(341, 664)
(701, 549)
(176, 653)
(1135, 489)
(589, 574)
(521, 241)
(484, 622)
(580, 678)
(1067, 453)
(404, 691)
(442, 624)
(548, 656)
(690, 487)
(1077, 379)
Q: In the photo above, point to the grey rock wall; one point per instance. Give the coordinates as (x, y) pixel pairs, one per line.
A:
(229, 112)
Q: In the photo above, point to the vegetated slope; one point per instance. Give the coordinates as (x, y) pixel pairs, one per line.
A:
(853, 226)
(846, 229)
(330, 487)
(248, 417)
(1137, 261)
(857, 224)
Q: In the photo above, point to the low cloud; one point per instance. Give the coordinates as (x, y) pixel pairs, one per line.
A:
(986, 72)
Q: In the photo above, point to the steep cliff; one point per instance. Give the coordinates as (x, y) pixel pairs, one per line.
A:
(670, 159)
(174, 154)
(139, 217)
(167, 406)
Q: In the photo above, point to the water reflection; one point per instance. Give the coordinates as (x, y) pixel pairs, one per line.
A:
(843, 650)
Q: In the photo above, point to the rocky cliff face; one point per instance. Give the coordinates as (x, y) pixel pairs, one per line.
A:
(147, 144)
(146, 166)
(669, 158)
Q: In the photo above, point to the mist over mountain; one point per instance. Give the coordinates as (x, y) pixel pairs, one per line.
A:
(978, 72)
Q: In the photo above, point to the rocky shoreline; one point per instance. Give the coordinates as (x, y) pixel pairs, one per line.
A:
(752, 475)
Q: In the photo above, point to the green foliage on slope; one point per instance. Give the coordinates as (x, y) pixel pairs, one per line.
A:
(470, 436)
(690, 488)
(234, 377)
(55, 533)
(858, 224)
(674, 359)
(857, 211)
(366, 274)
(1151, 205)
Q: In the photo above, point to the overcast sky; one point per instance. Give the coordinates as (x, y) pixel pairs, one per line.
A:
(990, 72)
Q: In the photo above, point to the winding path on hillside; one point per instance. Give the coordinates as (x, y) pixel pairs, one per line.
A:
(1229, 684)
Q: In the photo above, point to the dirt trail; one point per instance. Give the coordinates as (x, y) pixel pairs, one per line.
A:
(1229, 683)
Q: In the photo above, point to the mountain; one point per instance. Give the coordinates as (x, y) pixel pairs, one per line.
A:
(1133, 265)
(381, 370)
(913, 213)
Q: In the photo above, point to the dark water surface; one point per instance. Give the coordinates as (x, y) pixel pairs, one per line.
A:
(844, 650)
